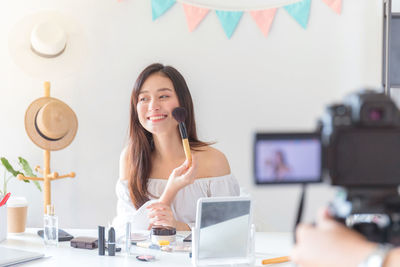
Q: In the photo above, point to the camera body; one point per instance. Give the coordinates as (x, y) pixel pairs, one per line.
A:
(361, 142)
(361, 139)
(358, 144)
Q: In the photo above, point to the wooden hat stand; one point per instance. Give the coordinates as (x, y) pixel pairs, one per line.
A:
(47, 176)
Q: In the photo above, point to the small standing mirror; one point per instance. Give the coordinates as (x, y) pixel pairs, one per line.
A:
(224, 233)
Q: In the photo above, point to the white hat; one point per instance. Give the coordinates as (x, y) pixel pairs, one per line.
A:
(47, 44)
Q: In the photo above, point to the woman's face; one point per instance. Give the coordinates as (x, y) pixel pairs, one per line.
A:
(157, 99)
(278, 158)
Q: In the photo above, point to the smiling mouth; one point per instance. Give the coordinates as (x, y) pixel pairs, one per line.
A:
(156, 118)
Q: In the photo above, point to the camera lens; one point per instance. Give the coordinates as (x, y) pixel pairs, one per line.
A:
(375, 114)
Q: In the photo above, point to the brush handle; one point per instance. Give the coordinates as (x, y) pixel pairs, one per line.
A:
(188, 154)
(182, 130)
(275, 260)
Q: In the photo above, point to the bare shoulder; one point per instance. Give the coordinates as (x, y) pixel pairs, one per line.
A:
(123, 163)
(124, 153)
(212, 162)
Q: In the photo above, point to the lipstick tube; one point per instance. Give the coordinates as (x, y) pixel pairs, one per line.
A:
(102, 242)
(111, 242)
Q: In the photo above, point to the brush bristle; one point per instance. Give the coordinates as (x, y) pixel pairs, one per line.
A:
(179, 114)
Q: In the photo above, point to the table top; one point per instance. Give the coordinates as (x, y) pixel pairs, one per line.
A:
(267, 245)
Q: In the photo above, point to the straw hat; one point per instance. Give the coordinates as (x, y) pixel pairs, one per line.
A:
(50, 123)
(47, 45)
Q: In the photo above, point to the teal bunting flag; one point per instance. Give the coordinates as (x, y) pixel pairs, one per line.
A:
(300, 11)
(159, 7)
(229, 20)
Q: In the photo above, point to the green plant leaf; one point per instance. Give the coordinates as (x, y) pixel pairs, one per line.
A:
(28, 171)
(37, 185)
(8, 167)
(26, 167)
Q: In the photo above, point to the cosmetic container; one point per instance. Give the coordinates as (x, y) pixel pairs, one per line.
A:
(161, 233)
(50, 231)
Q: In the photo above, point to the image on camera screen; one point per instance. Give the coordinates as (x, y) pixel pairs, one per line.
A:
(287, 158)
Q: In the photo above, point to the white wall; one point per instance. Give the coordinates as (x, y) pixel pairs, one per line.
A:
(246, 84)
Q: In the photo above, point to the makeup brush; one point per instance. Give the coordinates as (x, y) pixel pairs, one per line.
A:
(179, 115)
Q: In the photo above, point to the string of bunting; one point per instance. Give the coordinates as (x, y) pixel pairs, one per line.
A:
(229, 20)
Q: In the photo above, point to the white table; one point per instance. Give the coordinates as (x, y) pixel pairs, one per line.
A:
(268, 245)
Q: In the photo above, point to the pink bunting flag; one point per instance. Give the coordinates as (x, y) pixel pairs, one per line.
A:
(194, 15)
(264, 19)
(336, 5)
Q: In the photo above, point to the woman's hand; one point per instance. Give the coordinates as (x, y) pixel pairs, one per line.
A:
(179, 178)
(183, 175)
(329, 243)
(162, 215)
(160, 212)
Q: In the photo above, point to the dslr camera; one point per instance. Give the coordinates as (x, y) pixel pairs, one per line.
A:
(361, 140)
(357, 147)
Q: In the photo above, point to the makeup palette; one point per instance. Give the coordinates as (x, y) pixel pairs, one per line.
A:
(135, 237)
(146, 257)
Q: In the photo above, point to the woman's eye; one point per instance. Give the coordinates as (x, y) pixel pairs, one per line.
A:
(164, 96)
(142, 99)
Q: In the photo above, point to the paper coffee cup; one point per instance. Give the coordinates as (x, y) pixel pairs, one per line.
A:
(17, 208)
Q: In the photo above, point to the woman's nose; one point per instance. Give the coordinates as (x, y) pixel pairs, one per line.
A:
(154, 105)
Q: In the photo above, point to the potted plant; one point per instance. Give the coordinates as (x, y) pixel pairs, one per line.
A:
(10, 172)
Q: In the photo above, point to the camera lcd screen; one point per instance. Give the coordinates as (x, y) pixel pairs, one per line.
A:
(366, 157)
(287, 158)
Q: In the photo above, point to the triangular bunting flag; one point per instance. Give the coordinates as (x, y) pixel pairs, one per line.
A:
(336, 5)
(264, 19)
(300, 11)
(229, 20)
(194, 15)
(159, 7)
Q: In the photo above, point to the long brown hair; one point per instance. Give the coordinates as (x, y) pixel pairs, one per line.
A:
(141, 143)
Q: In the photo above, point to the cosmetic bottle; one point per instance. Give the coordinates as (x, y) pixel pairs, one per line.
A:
(128, 239)
(50, 231)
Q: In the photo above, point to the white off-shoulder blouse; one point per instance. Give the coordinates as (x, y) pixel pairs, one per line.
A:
(183, 206)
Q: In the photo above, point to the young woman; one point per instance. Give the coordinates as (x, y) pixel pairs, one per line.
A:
(156, 185)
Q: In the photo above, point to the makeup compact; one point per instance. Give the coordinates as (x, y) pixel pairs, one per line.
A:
(146, 257)
(84, 242)
(163, 233)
